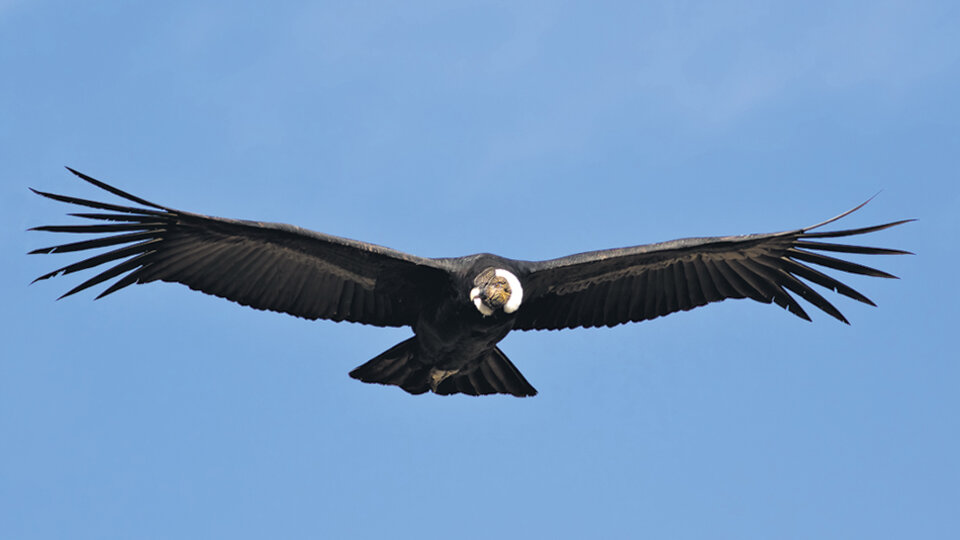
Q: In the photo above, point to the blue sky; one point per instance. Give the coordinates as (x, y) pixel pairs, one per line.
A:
(531, 130)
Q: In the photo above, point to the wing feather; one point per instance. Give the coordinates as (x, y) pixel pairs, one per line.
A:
(644, 282)
(836, 264)
(707, 285)
(263, 265)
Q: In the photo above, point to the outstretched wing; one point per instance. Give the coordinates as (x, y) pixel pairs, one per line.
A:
(267, 266)
(606, 288)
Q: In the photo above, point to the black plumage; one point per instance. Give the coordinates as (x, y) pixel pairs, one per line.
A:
(459, 308)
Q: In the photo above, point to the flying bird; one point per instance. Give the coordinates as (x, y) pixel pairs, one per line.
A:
(459, 308)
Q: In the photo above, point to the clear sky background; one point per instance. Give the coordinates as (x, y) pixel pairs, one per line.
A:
(528, 129)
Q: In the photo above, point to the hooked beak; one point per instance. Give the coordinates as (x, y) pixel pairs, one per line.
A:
(491, 295)
(496, 294)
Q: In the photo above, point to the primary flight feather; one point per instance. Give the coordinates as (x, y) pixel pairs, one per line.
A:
(459, 308)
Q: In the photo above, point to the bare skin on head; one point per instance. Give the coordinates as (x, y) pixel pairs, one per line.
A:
(496, 288)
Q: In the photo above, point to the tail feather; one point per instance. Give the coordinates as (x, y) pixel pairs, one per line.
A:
(495, 374)
(399, 366)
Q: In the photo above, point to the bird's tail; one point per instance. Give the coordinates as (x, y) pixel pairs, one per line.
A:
(399, 366)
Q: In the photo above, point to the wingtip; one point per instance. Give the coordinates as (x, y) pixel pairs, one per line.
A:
(116, 191)
(901, 252)
(80, 175)
(42, 193)
(852, 210)
(840, 317)
(902, 221)
(84, 177)
(842, 215)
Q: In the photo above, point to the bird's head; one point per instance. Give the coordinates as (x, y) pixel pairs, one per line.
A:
(496, 288)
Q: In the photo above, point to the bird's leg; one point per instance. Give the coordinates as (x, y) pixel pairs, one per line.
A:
(437, 376)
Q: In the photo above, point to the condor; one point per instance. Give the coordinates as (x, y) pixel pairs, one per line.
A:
(459, 308)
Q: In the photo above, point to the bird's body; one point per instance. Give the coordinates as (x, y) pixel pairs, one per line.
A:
(455, 333)
(455, 341)
(459, 308)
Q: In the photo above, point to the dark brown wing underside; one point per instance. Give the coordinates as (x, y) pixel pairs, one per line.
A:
(263, 265)
(642, 283)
